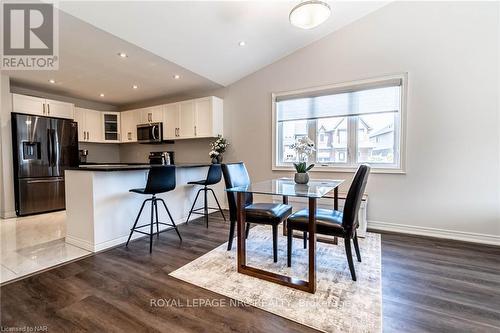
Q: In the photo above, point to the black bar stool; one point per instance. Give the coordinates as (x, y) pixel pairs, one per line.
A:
(161, 179)
(214, 176)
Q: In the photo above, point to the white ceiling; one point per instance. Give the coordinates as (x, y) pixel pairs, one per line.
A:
(203, 36)
(89, 65)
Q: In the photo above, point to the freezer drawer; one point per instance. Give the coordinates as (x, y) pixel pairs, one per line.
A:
(37, 195)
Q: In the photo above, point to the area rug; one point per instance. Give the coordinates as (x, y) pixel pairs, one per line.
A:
(339, 304)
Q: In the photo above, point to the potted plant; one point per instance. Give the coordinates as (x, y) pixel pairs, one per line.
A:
(218, 147)
(303, 147)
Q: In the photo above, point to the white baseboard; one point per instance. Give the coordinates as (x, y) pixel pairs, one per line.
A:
(8, 214)
(435, 232)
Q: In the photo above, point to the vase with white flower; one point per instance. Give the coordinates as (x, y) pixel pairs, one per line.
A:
(304, 147)
(218, 147)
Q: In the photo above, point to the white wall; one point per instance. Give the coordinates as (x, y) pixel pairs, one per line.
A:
(7, 207)
(450, 51)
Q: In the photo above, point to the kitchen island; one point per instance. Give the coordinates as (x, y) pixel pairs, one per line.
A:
(100, 209)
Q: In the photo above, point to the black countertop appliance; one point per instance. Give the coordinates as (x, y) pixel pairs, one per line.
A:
(161, 157)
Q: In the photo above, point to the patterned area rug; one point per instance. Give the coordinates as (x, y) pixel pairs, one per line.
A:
(339, 304)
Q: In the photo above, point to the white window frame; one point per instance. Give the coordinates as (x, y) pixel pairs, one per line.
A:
(400, 167)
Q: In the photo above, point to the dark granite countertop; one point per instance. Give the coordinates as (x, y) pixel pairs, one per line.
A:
(129, 167)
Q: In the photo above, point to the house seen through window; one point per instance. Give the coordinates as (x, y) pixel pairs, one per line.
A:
(349, 125)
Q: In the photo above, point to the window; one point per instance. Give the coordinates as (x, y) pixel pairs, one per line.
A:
(360, 122)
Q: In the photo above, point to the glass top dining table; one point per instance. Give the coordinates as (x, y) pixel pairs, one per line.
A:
(285, 187)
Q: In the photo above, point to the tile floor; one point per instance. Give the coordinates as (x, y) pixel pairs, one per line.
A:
(33, 243)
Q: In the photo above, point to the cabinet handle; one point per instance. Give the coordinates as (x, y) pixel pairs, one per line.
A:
(43, 111)
(48, 108)
(195, 131)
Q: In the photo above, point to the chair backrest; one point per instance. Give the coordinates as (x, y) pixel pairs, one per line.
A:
(236, 174)
(214, 174)
(160, 179)
(354, 198)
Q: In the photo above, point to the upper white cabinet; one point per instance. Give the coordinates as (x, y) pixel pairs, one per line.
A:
(60, 109)
(197, 118)
(90, 125)
(186, 122)
(171, 121)
(129, 121)
(42, 107)
(208, 117)
(152, 114)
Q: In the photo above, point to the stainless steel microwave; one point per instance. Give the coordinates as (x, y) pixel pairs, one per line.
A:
(150, 133)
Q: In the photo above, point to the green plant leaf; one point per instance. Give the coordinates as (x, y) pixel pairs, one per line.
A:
(310, 167)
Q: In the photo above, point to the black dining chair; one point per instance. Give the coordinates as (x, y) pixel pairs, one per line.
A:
(236, 174)
(214, 176)
(161, 179)
(335, 223)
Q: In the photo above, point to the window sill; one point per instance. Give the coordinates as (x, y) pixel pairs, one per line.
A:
(342, 169)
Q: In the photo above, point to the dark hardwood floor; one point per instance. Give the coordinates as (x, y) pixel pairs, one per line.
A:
(428, 286)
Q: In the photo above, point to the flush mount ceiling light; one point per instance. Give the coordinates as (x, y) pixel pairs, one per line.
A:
(135, 86)
(101, 95)
(309, 14)
(242, 43)
(52, 81)
(122, 54)
(177, 76)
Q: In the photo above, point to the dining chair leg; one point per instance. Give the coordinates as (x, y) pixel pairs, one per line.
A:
(151, 227)
(205, 208)
(289, 241)
(232, 224)
(275, 243)
(157, 223)
(305, 239)
(218, 205)
(356, 246)
(247, 231)
(348, 252)
(192, 207)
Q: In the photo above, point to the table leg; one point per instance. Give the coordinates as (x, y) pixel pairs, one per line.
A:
(285, 202)
(336, 198)
(336, 207)
(242, 256)
(312, 245)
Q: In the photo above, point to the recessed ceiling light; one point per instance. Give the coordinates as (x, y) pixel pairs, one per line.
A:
(135, 86)
(309, 14)
(101, 95)
(177, 76)
(52, 81)
(123, 54)
(242, 43)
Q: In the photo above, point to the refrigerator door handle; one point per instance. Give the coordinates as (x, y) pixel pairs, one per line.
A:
(49, 180)
(49, 146)
(52, 150)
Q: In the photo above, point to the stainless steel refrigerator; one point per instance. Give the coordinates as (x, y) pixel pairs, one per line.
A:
(43, 148)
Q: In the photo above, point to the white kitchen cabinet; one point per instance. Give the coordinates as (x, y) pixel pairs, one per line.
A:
(42, 107)
(152, 114)
(90, 127)
(171, 121)
(208, 117)
(197, 118)
(110, 127)
(59, 109)
(186, 128)
(28, 104)
(129, 121)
